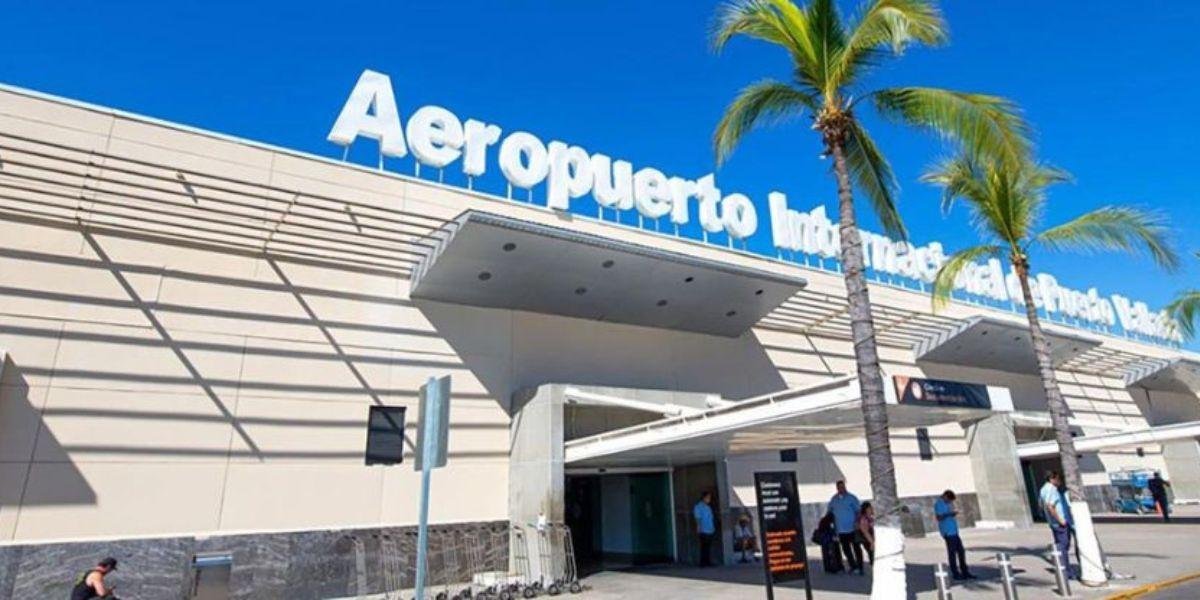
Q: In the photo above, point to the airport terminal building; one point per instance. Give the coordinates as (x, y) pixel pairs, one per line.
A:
(199, 335)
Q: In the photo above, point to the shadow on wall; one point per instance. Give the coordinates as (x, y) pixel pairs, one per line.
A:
(55, 483)
(513, 350)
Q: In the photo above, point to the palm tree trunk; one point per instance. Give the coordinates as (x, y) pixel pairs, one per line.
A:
(1054, 397)
(1089, 547)
(889, 580)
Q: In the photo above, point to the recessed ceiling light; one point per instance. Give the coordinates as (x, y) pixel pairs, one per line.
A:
(484, 276)
(509, 247)
(607, 264)
(661, 303)
(579, 291)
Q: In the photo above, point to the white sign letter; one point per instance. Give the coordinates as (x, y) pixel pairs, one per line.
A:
(370, 111)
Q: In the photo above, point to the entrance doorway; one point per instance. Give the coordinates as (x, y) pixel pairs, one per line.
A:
(1034, 470)
(620, 520)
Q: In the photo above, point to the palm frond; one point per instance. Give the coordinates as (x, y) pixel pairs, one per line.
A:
(888, 25)
(1114, 228)
(829, 39)
(987, 126)
(779, 22)
(873, 174)
(943, 282)
(1185, 311)
(766, 101)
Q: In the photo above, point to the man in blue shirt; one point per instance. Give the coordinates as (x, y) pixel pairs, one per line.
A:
(1058, 514)
(706, 527)
(947, 520)
(844, 507)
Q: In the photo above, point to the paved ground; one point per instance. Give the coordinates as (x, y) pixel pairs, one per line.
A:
(1141, 546)
(1184, 591)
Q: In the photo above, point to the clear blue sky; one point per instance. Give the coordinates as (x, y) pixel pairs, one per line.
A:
(1110, 90)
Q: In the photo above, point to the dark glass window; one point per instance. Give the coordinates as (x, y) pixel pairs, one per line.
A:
(924, 444)
(788, 455)
(385, 435)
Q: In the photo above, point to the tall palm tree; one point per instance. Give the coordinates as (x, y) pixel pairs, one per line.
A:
(1185, 310)
(1006, 201)
(831, 58)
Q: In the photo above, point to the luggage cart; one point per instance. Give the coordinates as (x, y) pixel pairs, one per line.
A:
(477, 553)
(569, 575)
(360, 566)
(548, 577)
(392, 565)
(450, 544)
(523, 583)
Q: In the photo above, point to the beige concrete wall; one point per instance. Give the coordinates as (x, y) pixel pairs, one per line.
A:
(157, 384)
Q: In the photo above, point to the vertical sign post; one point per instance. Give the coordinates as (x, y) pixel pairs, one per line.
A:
(781, 530)
(432, 435)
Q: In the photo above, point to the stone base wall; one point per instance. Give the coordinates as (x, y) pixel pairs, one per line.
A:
(271, 566)
(916, 521)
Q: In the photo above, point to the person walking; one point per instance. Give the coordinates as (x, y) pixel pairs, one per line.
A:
(845, 507)
(1158, 490)
(1058, 515)
(947, 520)
(706, 527)
(866, 530)
(91, 583)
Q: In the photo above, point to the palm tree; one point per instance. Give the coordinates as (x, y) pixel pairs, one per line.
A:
(1185, 310)
(831, 57)
(1006, 201)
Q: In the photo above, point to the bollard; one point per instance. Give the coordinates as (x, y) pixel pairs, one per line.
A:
(1007, 581)
(942, 578)
(1060, 574)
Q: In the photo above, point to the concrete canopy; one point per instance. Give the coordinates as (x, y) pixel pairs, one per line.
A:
(482, 259)
(1180, 375)
(987, 342)
(818, 414)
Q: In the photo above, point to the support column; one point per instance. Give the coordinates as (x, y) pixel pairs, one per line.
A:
(536, 481)
(999, 484)
(1183, 468)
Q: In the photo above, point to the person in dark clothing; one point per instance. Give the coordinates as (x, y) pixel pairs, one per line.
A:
(825, 536)
(845, 507)
(1158, 490)
(91, 583)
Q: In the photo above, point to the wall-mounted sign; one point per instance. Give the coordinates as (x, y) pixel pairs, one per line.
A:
(781, 530)
(437, 138)
(936, 392)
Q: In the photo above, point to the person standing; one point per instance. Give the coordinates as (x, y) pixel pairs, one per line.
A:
(91, 583)
(947, 520)
(1058, 515)
(1158, 490)
(845, 507)
(866, 530)
(706, 527)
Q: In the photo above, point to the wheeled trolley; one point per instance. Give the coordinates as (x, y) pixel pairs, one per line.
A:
(568, 576)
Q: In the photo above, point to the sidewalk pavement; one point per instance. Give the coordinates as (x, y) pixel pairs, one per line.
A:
(1142, 546)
